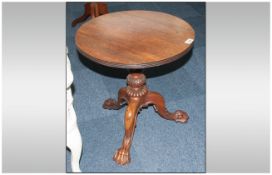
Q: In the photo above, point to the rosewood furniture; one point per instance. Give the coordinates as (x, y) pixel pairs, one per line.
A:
(136, 40)
(93, 9)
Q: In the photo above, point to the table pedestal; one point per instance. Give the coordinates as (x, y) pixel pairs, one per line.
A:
(137, 95)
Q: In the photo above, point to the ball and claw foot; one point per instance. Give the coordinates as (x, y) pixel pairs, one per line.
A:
(111, 104)
(181, 116)
(122, 156)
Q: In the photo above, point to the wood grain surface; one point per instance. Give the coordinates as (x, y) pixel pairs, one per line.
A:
(135, 39)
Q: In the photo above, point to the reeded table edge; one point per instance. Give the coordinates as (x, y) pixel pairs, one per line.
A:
(136, 66)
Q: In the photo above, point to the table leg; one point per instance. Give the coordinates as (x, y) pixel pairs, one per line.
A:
(87, 13)
(157, 100)
(92, 9)
(122, 155)
(113, 104)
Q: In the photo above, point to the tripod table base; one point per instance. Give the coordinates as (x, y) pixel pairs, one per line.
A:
(137, 95)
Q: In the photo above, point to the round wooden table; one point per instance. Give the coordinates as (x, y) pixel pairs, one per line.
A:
(136, 40)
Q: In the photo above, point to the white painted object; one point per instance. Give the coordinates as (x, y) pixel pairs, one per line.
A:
(74, 141)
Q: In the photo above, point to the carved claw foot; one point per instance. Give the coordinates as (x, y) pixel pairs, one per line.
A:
(181, 116)
(159, 105)
(122, 156)
(111, 104)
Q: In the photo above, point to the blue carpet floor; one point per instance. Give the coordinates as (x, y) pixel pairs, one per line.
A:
(158, 145)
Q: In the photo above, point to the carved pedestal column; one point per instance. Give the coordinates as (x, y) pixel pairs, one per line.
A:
(137, 95)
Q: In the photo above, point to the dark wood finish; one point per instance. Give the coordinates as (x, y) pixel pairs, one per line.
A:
(135, 39)
(92, 9)
(137, 95)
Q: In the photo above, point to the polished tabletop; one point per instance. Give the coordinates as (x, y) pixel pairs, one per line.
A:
(135, 39)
